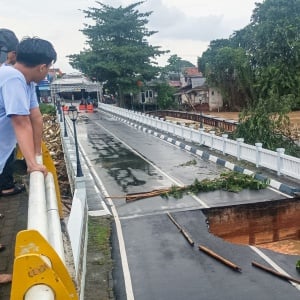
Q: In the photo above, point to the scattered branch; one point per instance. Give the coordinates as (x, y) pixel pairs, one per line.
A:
(229, 181)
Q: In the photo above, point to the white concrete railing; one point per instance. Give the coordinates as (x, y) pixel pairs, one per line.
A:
(49, 228)
(43, 212)
(273, 160)
(43, 216)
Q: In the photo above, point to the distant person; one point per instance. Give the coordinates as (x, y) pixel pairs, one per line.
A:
(20, 118)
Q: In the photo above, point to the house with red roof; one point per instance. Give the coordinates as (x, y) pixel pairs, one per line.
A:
(195, 94)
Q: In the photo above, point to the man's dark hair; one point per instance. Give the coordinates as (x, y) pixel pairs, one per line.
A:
(35, 51)
(8, 43)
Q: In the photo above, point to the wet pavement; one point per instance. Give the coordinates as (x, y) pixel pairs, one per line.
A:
(162, 265)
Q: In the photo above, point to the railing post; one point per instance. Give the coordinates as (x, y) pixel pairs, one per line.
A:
(279, 151)
(174, 127)
(212, 134)
(191, 127)
(161, 124)
(224, 136)
(201, 130)
(239, 141)
(258, 151)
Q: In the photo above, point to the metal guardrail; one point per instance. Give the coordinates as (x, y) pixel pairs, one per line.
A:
(273, 160)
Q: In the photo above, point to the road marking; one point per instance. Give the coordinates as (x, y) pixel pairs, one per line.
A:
(123, 254)
(279, 192)
(273, 264)
(177, 182)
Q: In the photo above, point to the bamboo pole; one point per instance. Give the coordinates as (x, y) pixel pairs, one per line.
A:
(137, 196)
(220, 258)
(183, 231)
(273, 272)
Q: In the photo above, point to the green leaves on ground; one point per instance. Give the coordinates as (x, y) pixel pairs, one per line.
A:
(228, 181)
(47, 109)
(298, 265)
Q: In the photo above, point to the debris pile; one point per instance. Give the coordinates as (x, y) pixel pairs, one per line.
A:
(52, 139)
(229, 181)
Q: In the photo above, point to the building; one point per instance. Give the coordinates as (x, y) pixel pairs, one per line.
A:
(195, 94)
(76, 86)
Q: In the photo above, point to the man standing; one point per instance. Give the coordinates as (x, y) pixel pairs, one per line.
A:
(8, 47)
(20, 118)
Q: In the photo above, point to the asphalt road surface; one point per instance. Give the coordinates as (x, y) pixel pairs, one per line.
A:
(152, 258)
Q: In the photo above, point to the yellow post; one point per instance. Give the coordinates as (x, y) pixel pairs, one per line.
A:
(36, 262)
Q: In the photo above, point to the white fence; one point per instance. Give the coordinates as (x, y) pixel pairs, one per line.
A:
(273, 160)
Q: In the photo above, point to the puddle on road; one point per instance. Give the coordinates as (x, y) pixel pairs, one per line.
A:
(274, 225)
(127, 168)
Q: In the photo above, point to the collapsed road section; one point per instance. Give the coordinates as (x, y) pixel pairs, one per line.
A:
(269, 224)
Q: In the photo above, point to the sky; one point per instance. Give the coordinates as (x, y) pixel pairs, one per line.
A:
(185, 27)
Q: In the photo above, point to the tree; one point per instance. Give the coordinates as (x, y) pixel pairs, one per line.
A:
(269, 56)
(227, 68)
(176, 64)
(274, 52)
(118, 51)
(165, 96)
(258, 67)
(275, 48)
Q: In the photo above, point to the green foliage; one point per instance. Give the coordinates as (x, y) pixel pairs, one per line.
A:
(192, 162)
(258, 71)
(47, 109)
(118, 51)
(276, 47)
(228, 69)
(175, 65)
(260, 61)
(269, 124)
(228, 181)
(165, 96)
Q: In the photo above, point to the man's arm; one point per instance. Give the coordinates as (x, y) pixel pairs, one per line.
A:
(24, 134)
(36, 120)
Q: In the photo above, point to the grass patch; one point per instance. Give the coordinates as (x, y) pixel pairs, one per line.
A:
(99, 260)
(99, 233)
